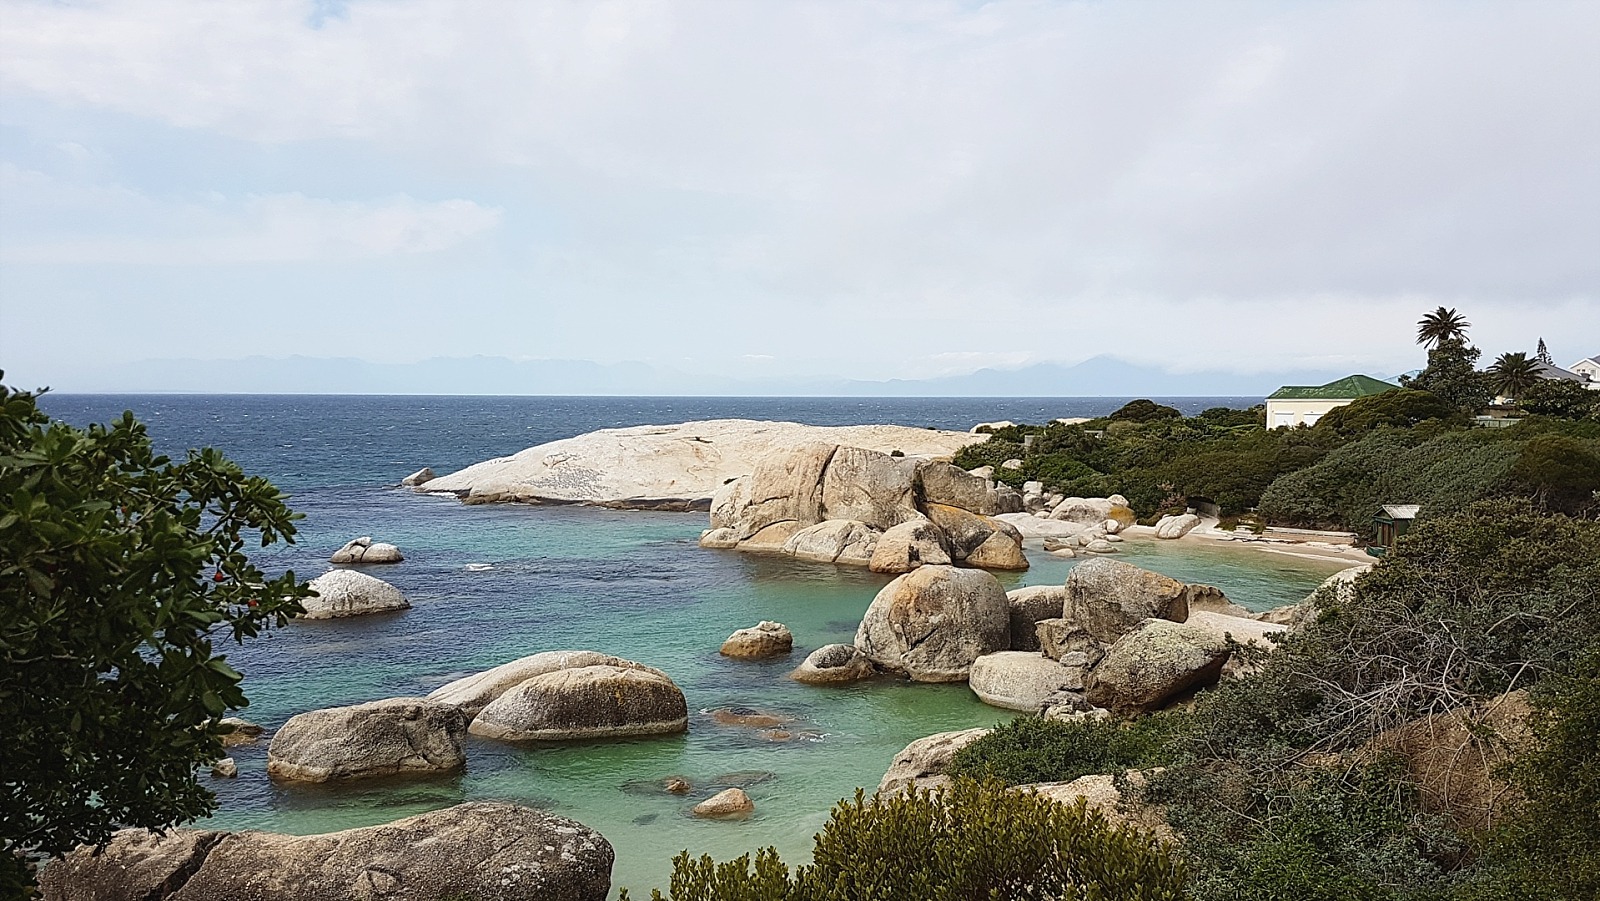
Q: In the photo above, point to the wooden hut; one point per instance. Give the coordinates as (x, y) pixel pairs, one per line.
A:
(1391, 522)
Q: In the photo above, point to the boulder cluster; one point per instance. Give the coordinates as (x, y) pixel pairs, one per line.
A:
(832, 503)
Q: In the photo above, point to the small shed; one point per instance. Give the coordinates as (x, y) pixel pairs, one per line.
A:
(1391, 522)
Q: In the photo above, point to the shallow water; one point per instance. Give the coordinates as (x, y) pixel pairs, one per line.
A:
(627, 583)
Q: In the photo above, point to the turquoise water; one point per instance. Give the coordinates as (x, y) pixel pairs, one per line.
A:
(627, 583)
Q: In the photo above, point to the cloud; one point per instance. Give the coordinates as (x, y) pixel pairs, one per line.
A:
(131, 228)
(882, 186)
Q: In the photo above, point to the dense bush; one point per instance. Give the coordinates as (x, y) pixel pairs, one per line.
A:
(1143, 411)
(1034, 749)
(1561, 399)
(969, 840)
(1561, 473)
(1401, 408)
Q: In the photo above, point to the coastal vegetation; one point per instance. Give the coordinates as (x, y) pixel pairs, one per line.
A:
(1428, 736)
(119, 569)
(970, 839)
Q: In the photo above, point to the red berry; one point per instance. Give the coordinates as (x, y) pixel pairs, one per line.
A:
(253, 603)
(218, 577)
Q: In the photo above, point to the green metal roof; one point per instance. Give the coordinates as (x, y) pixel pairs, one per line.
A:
(1348, 388)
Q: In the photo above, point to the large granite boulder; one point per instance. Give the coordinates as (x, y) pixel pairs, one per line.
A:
(396, 737)
(1108, 598)
(345, 592)
(363, 550)
(587, 702)
(976, 540)
(473, 693)
(785, 487)
(869, 487)
(1176, 526)
(943, 483)
(668, 467)
(1153, 664)
(481, 849)
(908, 546)
(1022, 680)
(834, 541)
(1089, 511)
(763, 640)
(925, 762)
(1029, 606)
(834, 664)
(1060, 638)
(1001, 550)
(932, 622)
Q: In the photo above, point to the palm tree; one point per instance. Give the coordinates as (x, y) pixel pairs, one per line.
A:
(1441, 325)
(1513, 374)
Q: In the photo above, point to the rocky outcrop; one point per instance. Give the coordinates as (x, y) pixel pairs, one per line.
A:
(730, 803)
(1061, 638)
(834, 541)
(763, 640)
(396, 737)
(933, 622)
(924, 763)
(1176, 526)
(1108, 598)
(481, 849)
(1029, 606)
(363, 550)
(1100, 792)
(1153, 664)
(584, 703)
(908, 546)
(834, 664)
(226, 768)
(473, 693)
(1029, 525)
(1020, 680)
(421, 477)
(345, 592)
(244, 732)
(841, 504)
(668, 466)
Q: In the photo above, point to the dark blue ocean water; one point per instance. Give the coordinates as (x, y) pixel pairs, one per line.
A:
(320, 441)
(629, 583)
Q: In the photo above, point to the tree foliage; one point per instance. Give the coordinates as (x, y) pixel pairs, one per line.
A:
(118, 569)
(1400, 408)
(1560, 398)
(1451, 375)
(1442, 325)
(1512, 374)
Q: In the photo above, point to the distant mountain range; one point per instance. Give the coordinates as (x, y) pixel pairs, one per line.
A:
(1098, 376)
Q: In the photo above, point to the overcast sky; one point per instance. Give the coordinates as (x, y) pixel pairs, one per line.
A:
(847, 189)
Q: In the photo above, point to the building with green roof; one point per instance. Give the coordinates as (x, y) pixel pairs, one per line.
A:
(1294, 405)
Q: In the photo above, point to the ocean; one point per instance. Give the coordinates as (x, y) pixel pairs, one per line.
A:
(629, 583)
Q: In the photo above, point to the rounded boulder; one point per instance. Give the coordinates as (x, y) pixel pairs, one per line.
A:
(931, 623)
(586, 702)
(345, 592)
(395, 737)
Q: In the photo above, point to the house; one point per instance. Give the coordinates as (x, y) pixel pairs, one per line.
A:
(1294, 405)
(1551, 372)
(1589, 368)
(1392, 522)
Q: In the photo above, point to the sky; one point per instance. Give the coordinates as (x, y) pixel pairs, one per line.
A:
(804, 190)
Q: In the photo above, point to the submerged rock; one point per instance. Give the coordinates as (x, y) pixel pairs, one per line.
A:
(834, 664)
(481, 849)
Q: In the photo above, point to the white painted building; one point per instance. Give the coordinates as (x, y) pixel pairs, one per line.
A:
(1589, 368)
(1294, 405)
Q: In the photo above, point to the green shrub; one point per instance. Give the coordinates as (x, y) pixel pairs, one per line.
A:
(1143, 411)
(968, 840)
(1561, 399)
(1034, 749)
(1401, 408)
(1561, 473)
